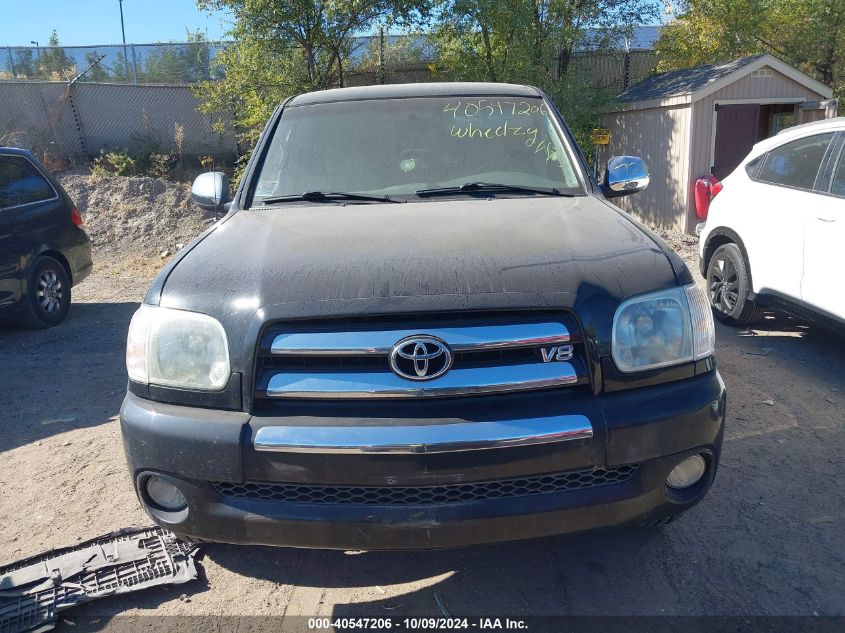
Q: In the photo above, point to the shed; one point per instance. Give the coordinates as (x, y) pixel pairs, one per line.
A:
(704, 120)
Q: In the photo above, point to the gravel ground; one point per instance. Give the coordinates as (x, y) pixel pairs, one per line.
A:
(685, 245)
(767, 539)
(139, 215)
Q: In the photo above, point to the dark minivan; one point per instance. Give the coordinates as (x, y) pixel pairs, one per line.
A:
(421, 324)
(43, 249)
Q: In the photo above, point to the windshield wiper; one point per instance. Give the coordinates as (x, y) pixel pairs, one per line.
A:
(492, 187)
(320, 196)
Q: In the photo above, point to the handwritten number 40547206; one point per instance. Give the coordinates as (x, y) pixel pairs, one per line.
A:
(493, 107)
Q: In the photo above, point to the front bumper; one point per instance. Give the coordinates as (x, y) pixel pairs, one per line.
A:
(653, 428)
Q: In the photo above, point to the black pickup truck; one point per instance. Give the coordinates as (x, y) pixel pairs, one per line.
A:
(420, 324)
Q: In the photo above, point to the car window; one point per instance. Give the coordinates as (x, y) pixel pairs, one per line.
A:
(796, 164)
(416, 143)
(752, 166)
(21, 182)
(837, 186)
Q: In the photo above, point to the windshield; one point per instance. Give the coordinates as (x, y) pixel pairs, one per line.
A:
(398, 147)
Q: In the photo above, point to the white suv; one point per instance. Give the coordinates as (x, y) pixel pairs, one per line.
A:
(775, 233)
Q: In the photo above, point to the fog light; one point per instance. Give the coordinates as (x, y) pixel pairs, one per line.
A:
(687, 472)
(164, 494)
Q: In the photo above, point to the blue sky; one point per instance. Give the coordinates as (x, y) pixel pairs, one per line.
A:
(85, 22)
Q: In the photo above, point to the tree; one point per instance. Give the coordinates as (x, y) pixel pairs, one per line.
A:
(170, 63)
(503, 41)
(534, 41)
(809, 34)
(97, 72)
(53, 63)
(384, 51)
(283, 48)
(24, 65)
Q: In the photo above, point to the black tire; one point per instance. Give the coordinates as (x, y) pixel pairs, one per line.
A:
(47, 294)
(728, 287)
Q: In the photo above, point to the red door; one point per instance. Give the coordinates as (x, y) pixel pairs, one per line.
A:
(736, 132)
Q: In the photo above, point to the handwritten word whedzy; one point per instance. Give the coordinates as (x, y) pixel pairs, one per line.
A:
(531, 134)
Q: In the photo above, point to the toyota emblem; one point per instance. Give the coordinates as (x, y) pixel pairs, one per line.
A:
(420, 358)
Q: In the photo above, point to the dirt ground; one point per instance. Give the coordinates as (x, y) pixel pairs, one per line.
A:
(767, 540)
(148, 217)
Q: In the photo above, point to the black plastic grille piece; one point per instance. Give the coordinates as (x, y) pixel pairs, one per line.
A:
(425, 495)
(47, 584)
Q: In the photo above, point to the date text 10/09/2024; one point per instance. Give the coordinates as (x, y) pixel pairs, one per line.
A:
(416, 624)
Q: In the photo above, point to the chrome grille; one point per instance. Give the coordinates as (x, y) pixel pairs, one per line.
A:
(426, 495)
(351, 359)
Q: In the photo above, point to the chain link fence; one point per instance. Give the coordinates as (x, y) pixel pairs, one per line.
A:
(173, 63)
(179, 63)
(371, 59)
(85, 118)
(612, 71)
(139, 98)
(615, 71)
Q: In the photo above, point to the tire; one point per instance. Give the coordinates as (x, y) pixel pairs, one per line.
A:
(728, 287)
(48, 294)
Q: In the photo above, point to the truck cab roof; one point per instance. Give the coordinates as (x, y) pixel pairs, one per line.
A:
(404, 91)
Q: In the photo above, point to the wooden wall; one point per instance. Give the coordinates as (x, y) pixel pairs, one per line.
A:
(760, 89)
(660, 136)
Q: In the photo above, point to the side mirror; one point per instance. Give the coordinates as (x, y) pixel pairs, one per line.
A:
(625, 175)
(210, 191)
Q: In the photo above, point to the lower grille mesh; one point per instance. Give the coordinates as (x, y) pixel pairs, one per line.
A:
(427, 495)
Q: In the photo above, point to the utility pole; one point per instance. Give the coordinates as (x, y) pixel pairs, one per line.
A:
(381, 69)
(123, 33)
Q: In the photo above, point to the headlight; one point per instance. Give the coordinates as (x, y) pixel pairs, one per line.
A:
(175, 348)
(663, 328)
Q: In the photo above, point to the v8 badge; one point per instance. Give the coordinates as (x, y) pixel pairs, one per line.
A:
(557, 353)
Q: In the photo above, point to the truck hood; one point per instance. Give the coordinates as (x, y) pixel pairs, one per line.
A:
(470, 254)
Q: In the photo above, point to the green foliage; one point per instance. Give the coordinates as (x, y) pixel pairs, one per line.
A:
(24, 63)
(809, 34)
(532, 42)
(161, 165)
(529, 41)
(96, 72)
(53, 63)
(284, 48)
(121, 70)
(145, 143)
(187, 62)
(145, 157)
(382, 51)
(119, 163)
(157, 164)
(183, 64)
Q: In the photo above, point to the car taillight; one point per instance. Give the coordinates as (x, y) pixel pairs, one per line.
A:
(705, 190)
(715, 188)
(76, 217)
